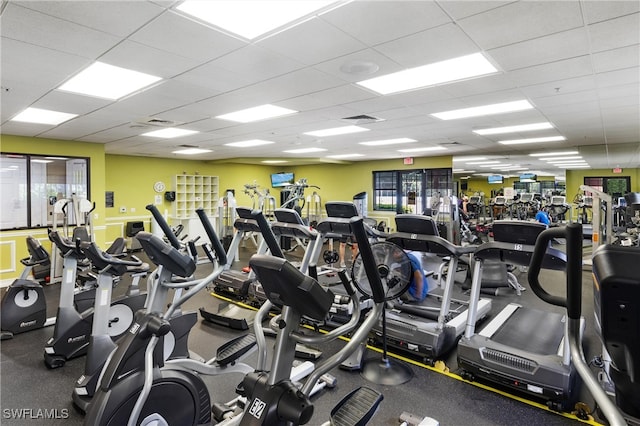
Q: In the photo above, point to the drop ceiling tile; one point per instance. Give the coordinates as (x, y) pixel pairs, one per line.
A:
(521, 21)
(437, 44)
(377, 22)
(614, 59)
(597, 11)
(552, 71)
(542, 50)
(312, 43)
(615, 33)
(181, 36)
(462, 9)
(119, 18)
(557, 88)
(47, 31)
(358, 66)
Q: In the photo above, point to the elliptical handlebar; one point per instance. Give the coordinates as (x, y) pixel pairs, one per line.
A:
(166, 229)
(213, 238)
(368, 260)
(267, 233)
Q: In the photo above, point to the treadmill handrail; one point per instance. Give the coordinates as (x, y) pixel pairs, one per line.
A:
(440, 245)
(504, 252)
(573, 297)
(573, 304)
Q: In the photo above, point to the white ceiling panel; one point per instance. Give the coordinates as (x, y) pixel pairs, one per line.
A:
(597, 11)
(521, 21)
(181, 36)
(315, 41)
(577, 62)
(376, 22)
(615, 33)
(437, 44)
(614, 59)
(33, 27)
(542, 50)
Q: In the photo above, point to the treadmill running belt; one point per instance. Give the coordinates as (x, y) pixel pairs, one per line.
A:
(532, 330)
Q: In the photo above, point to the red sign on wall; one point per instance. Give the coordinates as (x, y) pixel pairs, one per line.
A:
(617, 170)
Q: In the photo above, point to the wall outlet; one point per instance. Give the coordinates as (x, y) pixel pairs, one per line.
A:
(123, 209)
(133, 209)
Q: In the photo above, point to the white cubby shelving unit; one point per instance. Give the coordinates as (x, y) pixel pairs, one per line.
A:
(193, 192)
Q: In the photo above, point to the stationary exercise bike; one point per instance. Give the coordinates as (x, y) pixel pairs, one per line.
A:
(24, 307)
(72, 330)
(105, 320)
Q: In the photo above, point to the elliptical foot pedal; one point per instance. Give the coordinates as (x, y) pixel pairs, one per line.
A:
(234, 349)
(357, 408)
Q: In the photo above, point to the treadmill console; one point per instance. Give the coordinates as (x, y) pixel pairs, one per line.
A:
(288, 216)
(517, 232)
(343, 209)
(416, 224)
(526, 197)
(500, 200)
(558, 201)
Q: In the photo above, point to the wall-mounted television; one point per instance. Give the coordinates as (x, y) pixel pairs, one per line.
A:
(495, 179)
(528, 177)
(279, 180)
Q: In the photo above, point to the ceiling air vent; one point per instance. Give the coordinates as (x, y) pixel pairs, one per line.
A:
(155, 122)
(188, 146)
(362, 119)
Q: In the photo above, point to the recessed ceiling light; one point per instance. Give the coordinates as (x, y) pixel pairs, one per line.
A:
(274, 161)
(469, 158)
(465, 171)
(343, 130)
(500, 166)
(304, 150)
(550, 154)
(572, 166)
(191, 151)
(249, 143)
(251, 19)
(388, 142)
(578, 157)
(107, 81)
(43, 116)
(423, 149)
(533, 140)
(492, 109)
(261, 112)
(568, 162)
(169, 133)
(483, 162)
(514, 129)
(345, 156)
(442, 72)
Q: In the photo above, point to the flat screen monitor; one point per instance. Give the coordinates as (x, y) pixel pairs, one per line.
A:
(495, 179)
(528, 177)
(279, 180)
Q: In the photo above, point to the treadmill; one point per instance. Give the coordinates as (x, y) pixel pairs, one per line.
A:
(236, 284)
(432, 328)
(521, 348)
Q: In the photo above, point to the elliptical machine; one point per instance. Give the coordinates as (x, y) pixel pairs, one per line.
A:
(24, 307)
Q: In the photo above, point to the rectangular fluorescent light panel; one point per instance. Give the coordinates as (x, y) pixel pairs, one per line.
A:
(261, 112)
(42, 161)
(342, 130)
(533, 140)
(252, 18)
(388, 142)
(514, 129)
(249, 143)
(304, 150)
(465, 159)
(274, 161)
(43, 116)
(492, 109)
(442, 72)
(551, 154)
(169, 133)
(484, 162)
(578, 157)
(424, 149)
(107, 81)
(191, 151)
(345, 156)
